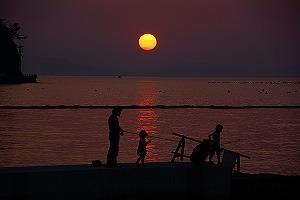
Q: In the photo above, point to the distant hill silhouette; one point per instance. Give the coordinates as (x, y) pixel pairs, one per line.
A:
(11, 54)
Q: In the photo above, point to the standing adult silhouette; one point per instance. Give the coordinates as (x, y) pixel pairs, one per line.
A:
(114, 137)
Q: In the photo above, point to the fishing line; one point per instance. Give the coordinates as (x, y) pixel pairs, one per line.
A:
(152, 136)
(234, 141)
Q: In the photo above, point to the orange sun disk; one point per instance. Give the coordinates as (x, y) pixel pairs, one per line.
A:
(147, 42)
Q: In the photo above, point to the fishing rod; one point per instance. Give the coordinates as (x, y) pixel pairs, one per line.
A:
(187, 137)
(162, 138)
(234, 141)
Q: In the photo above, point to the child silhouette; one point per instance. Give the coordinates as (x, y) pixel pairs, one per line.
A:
(216, 143)
(142, 151)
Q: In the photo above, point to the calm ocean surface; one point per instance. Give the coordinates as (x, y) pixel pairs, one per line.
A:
(271, 137)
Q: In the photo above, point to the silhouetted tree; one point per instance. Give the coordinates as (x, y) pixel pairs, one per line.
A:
(10, 50)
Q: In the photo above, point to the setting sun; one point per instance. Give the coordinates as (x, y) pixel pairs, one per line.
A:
(147, 42)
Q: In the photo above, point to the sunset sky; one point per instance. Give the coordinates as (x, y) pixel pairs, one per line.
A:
(195, 37)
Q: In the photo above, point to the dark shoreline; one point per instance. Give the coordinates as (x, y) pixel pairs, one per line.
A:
(149, 107)
(24, 78)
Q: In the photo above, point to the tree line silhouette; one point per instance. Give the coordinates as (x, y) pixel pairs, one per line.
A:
(11, 53)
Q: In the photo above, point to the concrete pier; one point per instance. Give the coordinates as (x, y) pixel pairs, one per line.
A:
(153, 181)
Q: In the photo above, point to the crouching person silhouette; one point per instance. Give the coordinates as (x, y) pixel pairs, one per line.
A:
(201, 152)
(142, 150)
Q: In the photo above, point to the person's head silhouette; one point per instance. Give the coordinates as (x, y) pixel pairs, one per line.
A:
(117, 110)
(143, 134)
(219, 128)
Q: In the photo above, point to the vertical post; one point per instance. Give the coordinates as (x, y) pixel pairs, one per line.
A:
(182, 148)
(238, 163)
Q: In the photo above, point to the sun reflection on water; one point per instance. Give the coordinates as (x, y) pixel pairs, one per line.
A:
(147, 118)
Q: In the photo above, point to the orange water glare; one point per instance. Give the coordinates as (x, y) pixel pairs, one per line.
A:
(147, 118)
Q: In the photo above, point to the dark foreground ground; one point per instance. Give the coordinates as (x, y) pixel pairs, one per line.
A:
(159, 181)
(266, 186)
(250, 186)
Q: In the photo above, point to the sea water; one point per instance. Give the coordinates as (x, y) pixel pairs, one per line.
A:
(270, 136)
